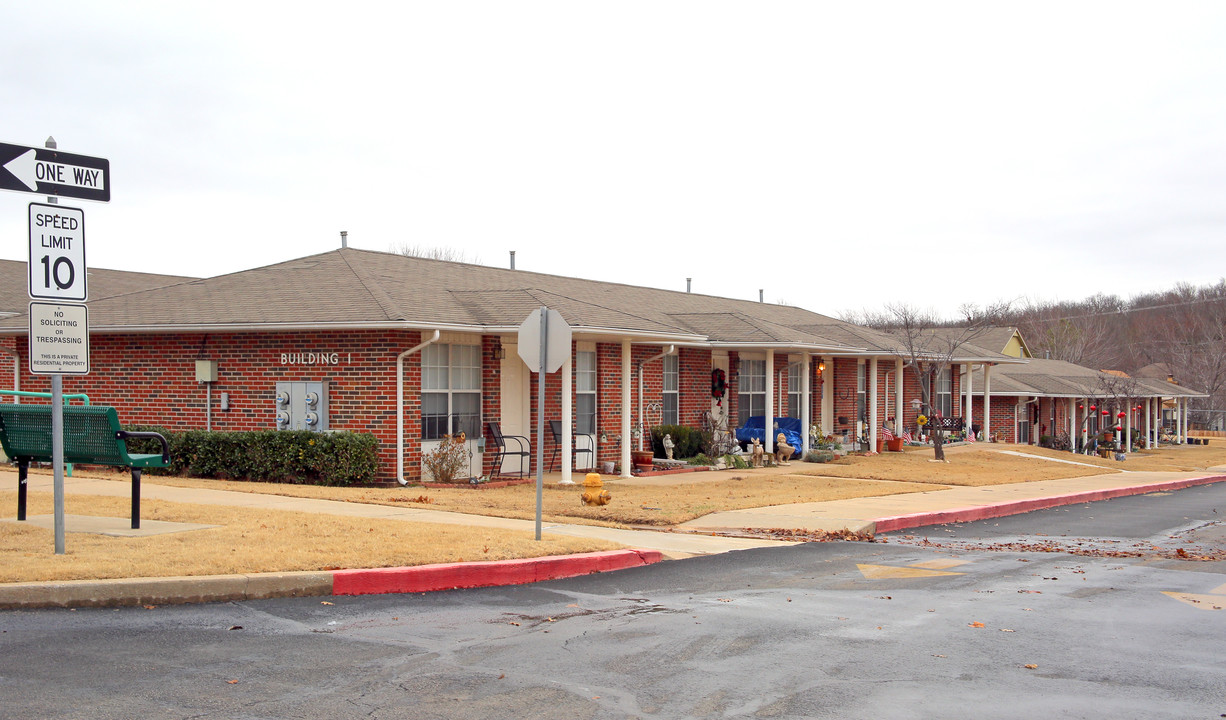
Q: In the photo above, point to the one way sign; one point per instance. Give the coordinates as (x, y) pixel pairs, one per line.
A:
(50, 172)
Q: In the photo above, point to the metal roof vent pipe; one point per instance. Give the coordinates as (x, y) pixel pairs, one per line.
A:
(344, 238)
(512, 259)
(687, 284)
(761, 295)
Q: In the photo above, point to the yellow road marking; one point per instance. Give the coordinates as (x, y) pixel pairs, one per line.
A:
(885, 572)
(939, 564)
(1200, 602)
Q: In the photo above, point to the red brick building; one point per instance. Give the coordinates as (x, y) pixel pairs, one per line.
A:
(412, 349)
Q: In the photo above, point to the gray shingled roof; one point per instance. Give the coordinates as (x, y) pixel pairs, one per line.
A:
(14, 285)
(1057, 378)
(364, 289)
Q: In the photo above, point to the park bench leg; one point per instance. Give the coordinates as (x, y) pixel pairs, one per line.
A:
(136, 498)
(23, 473)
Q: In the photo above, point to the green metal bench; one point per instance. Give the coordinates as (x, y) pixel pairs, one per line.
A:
(92, 436)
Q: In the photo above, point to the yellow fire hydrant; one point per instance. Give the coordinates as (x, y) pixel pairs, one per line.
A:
(594, 494)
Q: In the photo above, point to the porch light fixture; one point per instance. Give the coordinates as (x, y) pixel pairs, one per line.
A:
(498, 353)
(821, 368)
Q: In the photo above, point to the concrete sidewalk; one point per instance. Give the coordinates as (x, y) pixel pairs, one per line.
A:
(871, 515)
(956, 504)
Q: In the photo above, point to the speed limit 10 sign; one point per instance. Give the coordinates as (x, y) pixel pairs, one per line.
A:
(57, 253)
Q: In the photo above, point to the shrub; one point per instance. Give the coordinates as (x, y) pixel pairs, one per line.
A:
(290, 456)
(701, 459)
(736, 461)
(1046, 441)
(687, 441)
(447, 460)
(819, 456)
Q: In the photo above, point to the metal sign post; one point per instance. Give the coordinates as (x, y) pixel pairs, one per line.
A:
(544, 345)
(58, 341)
(540, 419)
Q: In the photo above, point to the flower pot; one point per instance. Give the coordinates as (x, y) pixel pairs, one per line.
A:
(894, 444)
(641, 458)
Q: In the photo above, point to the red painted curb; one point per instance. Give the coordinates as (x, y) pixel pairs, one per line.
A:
(450, 576)
(1017, 507)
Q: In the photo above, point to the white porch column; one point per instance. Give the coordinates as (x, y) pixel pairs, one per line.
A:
(967, 415)
(768, 422)
(1128, 429)
(1149, 415)
(568, 409)
(873, 423)
(1179, 420)
(1186, 416)
(987, 401)
(626, 436)
(898, 396)
(827, 396)
(805, 405)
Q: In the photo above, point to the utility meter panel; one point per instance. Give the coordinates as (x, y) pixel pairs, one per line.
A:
(302, 405)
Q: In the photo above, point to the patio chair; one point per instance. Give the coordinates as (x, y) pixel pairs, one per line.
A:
(522, 449)
(555, 427)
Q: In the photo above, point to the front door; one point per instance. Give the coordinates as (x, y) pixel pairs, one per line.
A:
(516, 398)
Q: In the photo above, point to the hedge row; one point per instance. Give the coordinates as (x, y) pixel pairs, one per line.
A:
(290, 456)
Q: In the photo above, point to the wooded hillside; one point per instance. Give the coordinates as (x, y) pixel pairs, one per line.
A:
(1182, 330)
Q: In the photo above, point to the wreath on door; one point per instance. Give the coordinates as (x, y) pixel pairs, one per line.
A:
(719, 384)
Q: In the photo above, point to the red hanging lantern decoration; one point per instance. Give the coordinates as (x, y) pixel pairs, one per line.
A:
(1106, 413)
(1118, 428)
(1121, 414)
(1093, 408)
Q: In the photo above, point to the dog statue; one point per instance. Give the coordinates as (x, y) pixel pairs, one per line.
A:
(757, 455)
(783, 451)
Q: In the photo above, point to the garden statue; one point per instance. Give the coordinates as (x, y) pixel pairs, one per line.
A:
(668, 446)
(757, 456)
(783, 451)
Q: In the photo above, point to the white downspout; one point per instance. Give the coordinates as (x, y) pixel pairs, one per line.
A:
(642, 425)
(400, 405)
(626, 380)
(806, 413)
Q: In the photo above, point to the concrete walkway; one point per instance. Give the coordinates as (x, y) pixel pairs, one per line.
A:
(955, 504)
(671, 544)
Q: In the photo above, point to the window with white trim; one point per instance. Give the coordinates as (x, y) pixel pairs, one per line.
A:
(795, 396)
(671, 397)
(585, 392)
(751, 390)
(861, 393)
(945, 393)
(450, 390)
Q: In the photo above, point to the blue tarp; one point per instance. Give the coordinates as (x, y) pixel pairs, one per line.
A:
(790, 427)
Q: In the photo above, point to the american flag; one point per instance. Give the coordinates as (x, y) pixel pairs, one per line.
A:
(970, 436)
(886, 433)
(906, 436)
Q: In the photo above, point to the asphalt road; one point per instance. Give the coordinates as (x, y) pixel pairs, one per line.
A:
(950, 622)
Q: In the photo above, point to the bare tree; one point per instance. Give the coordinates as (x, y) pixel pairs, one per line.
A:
(929, 350)
(449, 254)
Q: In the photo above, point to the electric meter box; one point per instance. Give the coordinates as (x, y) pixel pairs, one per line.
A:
(302, 406)
(206, 371)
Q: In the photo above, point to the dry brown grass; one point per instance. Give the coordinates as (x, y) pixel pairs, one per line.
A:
(633, 504)
(249, 541)
(966, 466)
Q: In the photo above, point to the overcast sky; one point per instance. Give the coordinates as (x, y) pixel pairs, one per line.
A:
(838, 155)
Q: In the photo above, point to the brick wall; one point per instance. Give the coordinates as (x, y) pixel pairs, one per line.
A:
(151, 379)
